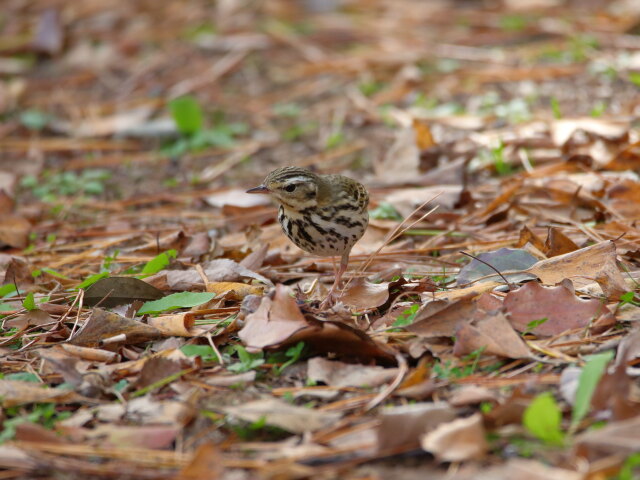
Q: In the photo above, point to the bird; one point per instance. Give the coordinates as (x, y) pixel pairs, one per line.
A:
(324, 215)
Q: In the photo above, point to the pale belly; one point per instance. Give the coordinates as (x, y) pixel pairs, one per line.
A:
(323, 236)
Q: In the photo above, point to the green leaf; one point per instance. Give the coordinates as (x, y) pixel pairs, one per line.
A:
(543, 418)
(29, 303)
(23, 377)
(176, 300)
(7, 289)
(535, 323)
(634, 77)
(407, 316)
(591, 374)
(248, 361)
(385, 211)
(203, 351)
(91, 279)
(187, 114)
(159, 262)
(34, 119)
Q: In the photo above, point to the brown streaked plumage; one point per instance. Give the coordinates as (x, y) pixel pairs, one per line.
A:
(322, 214)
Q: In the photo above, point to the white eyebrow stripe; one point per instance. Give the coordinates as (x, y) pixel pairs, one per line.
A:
(299, 179)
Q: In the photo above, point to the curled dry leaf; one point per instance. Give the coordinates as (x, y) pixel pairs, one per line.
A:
(616, 438)
(32, 317)
(402, 427)
(280, 322)
(457, 441)
(14, 392)
(180, 324)
(284, 415)
(233, 290)
(103, 325)
(274, 322)
(15, 270)
(596, 262)
(340, 374)
(205, 463)
(15, 231)
(364, 295)
(495, 334)
(559, 305)
(219, 270)
(441, 318)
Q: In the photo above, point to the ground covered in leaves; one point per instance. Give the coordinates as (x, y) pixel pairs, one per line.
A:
(156, 323)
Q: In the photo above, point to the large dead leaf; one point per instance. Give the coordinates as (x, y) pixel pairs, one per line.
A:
(340, 374)
(402, 427)
(280, 322)
(594, 263)
(113, 291)
(456, 441)
(284, 415)
(441, 318)
(14, 392)
(364, 295)
(559, 305)
(495, 334)
(274, 322)
(103, 325)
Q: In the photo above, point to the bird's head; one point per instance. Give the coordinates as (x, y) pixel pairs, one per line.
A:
(294, 187)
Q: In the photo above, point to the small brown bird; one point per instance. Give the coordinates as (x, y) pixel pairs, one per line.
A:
(322, 214)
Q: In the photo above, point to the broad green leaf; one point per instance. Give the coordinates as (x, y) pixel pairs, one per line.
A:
(7, 289)
(187, 114)
(543, 418)
(204, 351)
(91, 279)
(159, 262)
(589, 377)
(176, 300)
(29, 303)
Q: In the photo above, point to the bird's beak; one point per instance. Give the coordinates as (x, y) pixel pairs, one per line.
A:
(259, 189)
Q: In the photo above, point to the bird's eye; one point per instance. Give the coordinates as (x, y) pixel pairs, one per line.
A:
(290, 188)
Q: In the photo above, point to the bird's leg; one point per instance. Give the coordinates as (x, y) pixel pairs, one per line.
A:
(333, 295)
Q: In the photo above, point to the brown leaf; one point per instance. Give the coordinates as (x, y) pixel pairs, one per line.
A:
(32, 317)
(205, 463)
(340, 374)
(103, 325)
(457, 441)
(274, 322)
(597, 262)
(14, 392)
(563, 310)
(441, 318)
(364, 295)
(284, 415)
(402, 427)
(558, 243)
(113, 291)
(219, 270)
(155, 369)
(495, 334)
(14, 231)
(616, 438)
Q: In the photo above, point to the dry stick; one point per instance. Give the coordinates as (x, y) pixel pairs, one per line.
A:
(399, 230)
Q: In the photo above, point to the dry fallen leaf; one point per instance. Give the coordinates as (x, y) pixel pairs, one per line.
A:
(559, 305)
(340, 374)
(283, 415)
(457, 441)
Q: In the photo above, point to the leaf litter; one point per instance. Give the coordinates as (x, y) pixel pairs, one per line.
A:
(156, 323)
